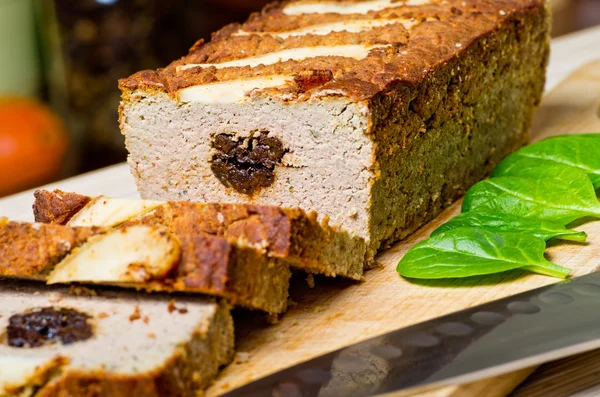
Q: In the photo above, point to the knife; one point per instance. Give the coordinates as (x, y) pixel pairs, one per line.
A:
(498, 337)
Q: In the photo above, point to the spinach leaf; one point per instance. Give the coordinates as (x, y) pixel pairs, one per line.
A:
(555, 193)
(497, 222)
(465, 252)
(581, 151)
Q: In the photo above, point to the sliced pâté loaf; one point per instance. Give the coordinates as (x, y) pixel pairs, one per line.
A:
(144, 257)
(32, 250)
(376, 114)
(116, 344)
(298, 238)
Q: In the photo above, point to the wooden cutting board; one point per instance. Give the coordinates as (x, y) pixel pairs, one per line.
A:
(336, 313)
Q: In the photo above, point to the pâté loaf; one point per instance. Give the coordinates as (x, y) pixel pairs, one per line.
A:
(376, 114)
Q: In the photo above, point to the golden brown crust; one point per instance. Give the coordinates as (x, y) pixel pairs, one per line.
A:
(100, 385)
(265, 228)
(442, 32)
(212, 265)
(260, 227)
(438, 138)
(208, 265)
(290, 234)
(30, 250)
(204, 263)
(57, 206)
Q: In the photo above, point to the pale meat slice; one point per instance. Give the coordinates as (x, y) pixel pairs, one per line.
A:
(135, 254)
(151, 345)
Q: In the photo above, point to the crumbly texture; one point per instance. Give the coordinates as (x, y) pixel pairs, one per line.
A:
(325, 168)
(57, 206)
(438, 26)
(211, 265)
(450, 130)
(182, 357)
(378, 145)
(208, 265)
(31, 250)
(297, 237)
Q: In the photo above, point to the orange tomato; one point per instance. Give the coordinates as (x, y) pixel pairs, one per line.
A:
(33, 143)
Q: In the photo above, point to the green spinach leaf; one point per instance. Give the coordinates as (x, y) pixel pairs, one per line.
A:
(555, 193)
(581, 151)
(497, 222)
(465, 252)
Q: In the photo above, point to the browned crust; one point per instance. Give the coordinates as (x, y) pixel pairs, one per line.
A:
(214, 266)
(100, 384)
(208, 265)
(441, 136)
(31, 250)
(290, 234)
(192, 368)
(264, 228)
(451, 26)
(57, 206)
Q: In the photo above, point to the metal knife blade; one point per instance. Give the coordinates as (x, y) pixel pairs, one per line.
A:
(505, 335)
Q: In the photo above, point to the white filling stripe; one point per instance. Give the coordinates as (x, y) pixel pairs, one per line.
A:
(348, 7)
(354, 26)
(230, 91)
(356, 51)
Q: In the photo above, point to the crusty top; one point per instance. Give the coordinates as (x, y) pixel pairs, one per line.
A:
(58, 206)
(265, 228)
(354, 48)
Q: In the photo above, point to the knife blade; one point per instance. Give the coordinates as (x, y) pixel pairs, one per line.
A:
(498, 337)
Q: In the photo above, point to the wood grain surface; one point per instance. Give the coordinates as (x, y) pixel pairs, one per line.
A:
(566, 377)
(336, 313)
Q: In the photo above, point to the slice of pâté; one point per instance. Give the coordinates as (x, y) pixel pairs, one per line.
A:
(291, 234)
(144, 257)
(109, 343)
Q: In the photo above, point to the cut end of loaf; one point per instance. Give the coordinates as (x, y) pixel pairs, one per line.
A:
(180, 349)
(289, 155)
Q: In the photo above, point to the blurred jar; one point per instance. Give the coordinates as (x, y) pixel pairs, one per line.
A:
(563, 18)
(19, 61)
(95, 43)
